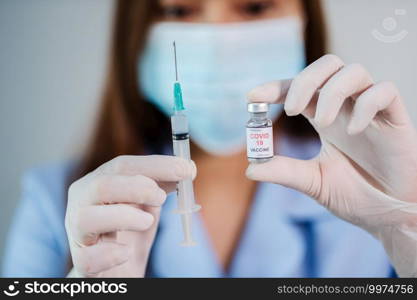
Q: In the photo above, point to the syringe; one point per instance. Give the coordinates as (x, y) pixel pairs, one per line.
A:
(181, 143)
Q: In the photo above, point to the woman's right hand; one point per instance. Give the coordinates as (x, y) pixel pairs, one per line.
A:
(113, 213)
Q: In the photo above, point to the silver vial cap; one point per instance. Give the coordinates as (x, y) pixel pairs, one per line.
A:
(258, 107)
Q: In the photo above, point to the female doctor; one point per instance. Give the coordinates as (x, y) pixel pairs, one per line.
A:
(341, 198)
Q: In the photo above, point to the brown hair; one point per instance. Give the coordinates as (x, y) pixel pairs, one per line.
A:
(126, 120)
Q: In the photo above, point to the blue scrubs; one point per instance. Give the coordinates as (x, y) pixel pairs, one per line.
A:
(287, 234)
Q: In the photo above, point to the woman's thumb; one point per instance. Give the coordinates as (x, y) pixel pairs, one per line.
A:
(301, 175)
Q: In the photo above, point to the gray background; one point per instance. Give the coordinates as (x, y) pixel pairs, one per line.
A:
(53, 57)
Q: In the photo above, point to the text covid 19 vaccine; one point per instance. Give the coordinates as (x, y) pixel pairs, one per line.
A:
(259, 137)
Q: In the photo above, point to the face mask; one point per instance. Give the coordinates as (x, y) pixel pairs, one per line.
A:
(217, 65)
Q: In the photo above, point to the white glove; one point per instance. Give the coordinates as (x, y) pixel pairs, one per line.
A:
(113, 213)
(366, 171)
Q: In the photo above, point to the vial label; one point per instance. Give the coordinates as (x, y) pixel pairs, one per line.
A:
(259, 141)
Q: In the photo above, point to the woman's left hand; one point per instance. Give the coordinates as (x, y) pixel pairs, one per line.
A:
(366, 171)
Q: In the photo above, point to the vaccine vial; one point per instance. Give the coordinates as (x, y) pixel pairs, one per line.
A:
(259, 137)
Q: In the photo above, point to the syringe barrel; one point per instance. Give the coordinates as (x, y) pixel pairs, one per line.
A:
(179, 123)
(186, 201)
(181, 144)
(185, 190)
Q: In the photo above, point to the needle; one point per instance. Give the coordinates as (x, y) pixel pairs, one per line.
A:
(175, 56)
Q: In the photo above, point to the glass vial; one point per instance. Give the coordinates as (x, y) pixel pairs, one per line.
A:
(259, 137)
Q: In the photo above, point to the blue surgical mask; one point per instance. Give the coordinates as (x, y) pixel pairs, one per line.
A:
(218, 64)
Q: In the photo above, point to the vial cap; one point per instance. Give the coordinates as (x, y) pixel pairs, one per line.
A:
(258, 107)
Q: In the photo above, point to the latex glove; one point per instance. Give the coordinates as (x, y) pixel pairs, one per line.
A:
(366, 171)
(113, 213)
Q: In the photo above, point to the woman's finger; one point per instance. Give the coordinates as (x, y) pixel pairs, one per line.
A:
(91, 221)
(100, 257)
(301, 175)
(271, 92)
(157, 167)
(351, 80)
(137, 189)
(306, 84)
(297, 92)
(383, 96)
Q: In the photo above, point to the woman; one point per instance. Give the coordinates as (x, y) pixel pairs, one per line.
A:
(114, 216)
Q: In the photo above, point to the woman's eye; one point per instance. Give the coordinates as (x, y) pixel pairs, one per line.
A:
(177, 12)
(257, 8)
